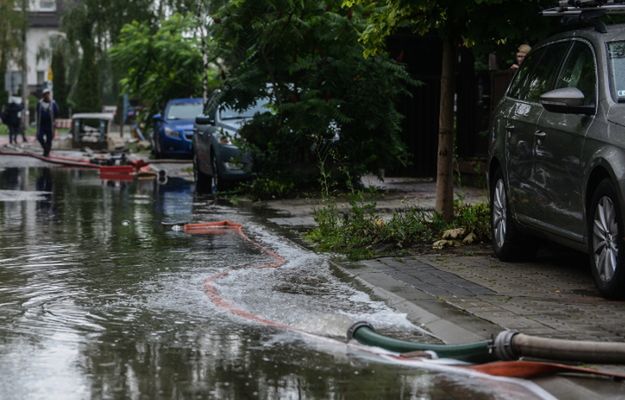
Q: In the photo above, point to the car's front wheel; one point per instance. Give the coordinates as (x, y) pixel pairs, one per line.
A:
(508, 243)
(606, 241)
(156, 146)
(216, 181)
(203, 182)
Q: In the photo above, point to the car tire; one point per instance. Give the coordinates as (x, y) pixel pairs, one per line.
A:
(156, 148)
(216, 180)
(606, 241)
(508, 243)
(203, 182)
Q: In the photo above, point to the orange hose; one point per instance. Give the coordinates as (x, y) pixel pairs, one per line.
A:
(221, 227)
(70, 162)
(531, 369)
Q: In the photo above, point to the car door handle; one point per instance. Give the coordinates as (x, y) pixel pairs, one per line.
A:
(510, 128)
(540, 134)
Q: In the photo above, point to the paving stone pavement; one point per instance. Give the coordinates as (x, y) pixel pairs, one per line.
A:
(478, 295)
(553, 297)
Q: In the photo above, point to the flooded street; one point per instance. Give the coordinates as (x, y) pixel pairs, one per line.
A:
(103, 296)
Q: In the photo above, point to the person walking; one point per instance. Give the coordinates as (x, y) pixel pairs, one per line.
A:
(47, 110)
(12, 119)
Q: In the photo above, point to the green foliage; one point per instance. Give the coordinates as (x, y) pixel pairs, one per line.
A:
(361, 232)
(484, 23)
(160, 63)
(59, 77)
(322, 89)
(91, 27)
(87, 94)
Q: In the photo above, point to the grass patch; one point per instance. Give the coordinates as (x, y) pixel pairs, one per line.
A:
(360, 232)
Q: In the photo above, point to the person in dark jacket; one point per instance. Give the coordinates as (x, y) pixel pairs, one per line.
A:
(47, 110)
(12, 120)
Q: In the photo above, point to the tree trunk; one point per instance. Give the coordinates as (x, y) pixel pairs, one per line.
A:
(444, 164)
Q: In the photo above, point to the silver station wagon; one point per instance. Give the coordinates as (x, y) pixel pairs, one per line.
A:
(557, 153)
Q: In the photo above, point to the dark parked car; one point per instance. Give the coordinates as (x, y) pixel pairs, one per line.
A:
(173, 130)
(217, 161)
(557, 153)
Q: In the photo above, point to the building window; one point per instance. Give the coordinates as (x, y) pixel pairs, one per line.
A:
(41, 77)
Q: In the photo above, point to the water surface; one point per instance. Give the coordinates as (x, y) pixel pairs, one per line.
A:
(102, 297)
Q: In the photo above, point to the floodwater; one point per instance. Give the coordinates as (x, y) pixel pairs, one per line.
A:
(102, 297)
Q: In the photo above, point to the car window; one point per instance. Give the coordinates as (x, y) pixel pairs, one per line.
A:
(184, 111)
(518, 87)
(211, 103)
(616, 54)
(260, 106)
(539, 76)
(578, 71)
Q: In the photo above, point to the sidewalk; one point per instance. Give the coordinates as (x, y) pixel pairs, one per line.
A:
(552, 296)
(464, 295)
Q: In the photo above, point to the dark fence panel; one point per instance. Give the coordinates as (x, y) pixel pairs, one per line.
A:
(477, 93)
(422, 57)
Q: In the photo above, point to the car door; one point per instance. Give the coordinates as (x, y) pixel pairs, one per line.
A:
(522, 115)
(559, 145)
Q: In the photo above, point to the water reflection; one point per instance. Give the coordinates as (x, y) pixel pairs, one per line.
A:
(99, 299)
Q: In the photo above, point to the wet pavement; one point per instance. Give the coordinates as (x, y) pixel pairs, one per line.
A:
(468, 295)
(102, 296)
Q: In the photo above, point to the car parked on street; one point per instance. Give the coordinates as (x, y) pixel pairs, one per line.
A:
(557, 153)
(217, 160)
(173, 130)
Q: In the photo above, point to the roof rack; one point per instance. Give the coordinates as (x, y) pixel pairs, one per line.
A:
(586, 12)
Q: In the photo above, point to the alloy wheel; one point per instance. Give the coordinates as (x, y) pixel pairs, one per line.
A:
(500, 225)
(605, 239)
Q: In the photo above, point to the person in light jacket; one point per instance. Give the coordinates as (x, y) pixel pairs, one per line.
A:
(47, 110)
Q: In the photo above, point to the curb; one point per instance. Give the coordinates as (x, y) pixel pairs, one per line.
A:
(443, 321)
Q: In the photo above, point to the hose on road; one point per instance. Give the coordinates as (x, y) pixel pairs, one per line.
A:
(510, 345)
(364, 333)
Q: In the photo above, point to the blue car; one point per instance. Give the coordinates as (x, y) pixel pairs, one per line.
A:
(173, 130)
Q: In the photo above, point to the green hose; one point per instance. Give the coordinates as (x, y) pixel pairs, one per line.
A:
(472, 352)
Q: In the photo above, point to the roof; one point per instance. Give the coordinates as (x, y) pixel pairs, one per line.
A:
(106, 116)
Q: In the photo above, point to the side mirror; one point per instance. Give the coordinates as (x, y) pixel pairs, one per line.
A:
(204, 120)
(157, 117)
(566, 101)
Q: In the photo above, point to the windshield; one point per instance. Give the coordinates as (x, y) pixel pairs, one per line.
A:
(229, 113)
(616, 54)
(184, 111)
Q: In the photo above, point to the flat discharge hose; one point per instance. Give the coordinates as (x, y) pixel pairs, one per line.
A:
(472, 352)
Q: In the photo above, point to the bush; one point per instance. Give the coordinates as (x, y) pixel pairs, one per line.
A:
(360, 232)
(331, 107)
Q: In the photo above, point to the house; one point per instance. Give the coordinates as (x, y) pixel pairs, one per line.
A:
(44, 18)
